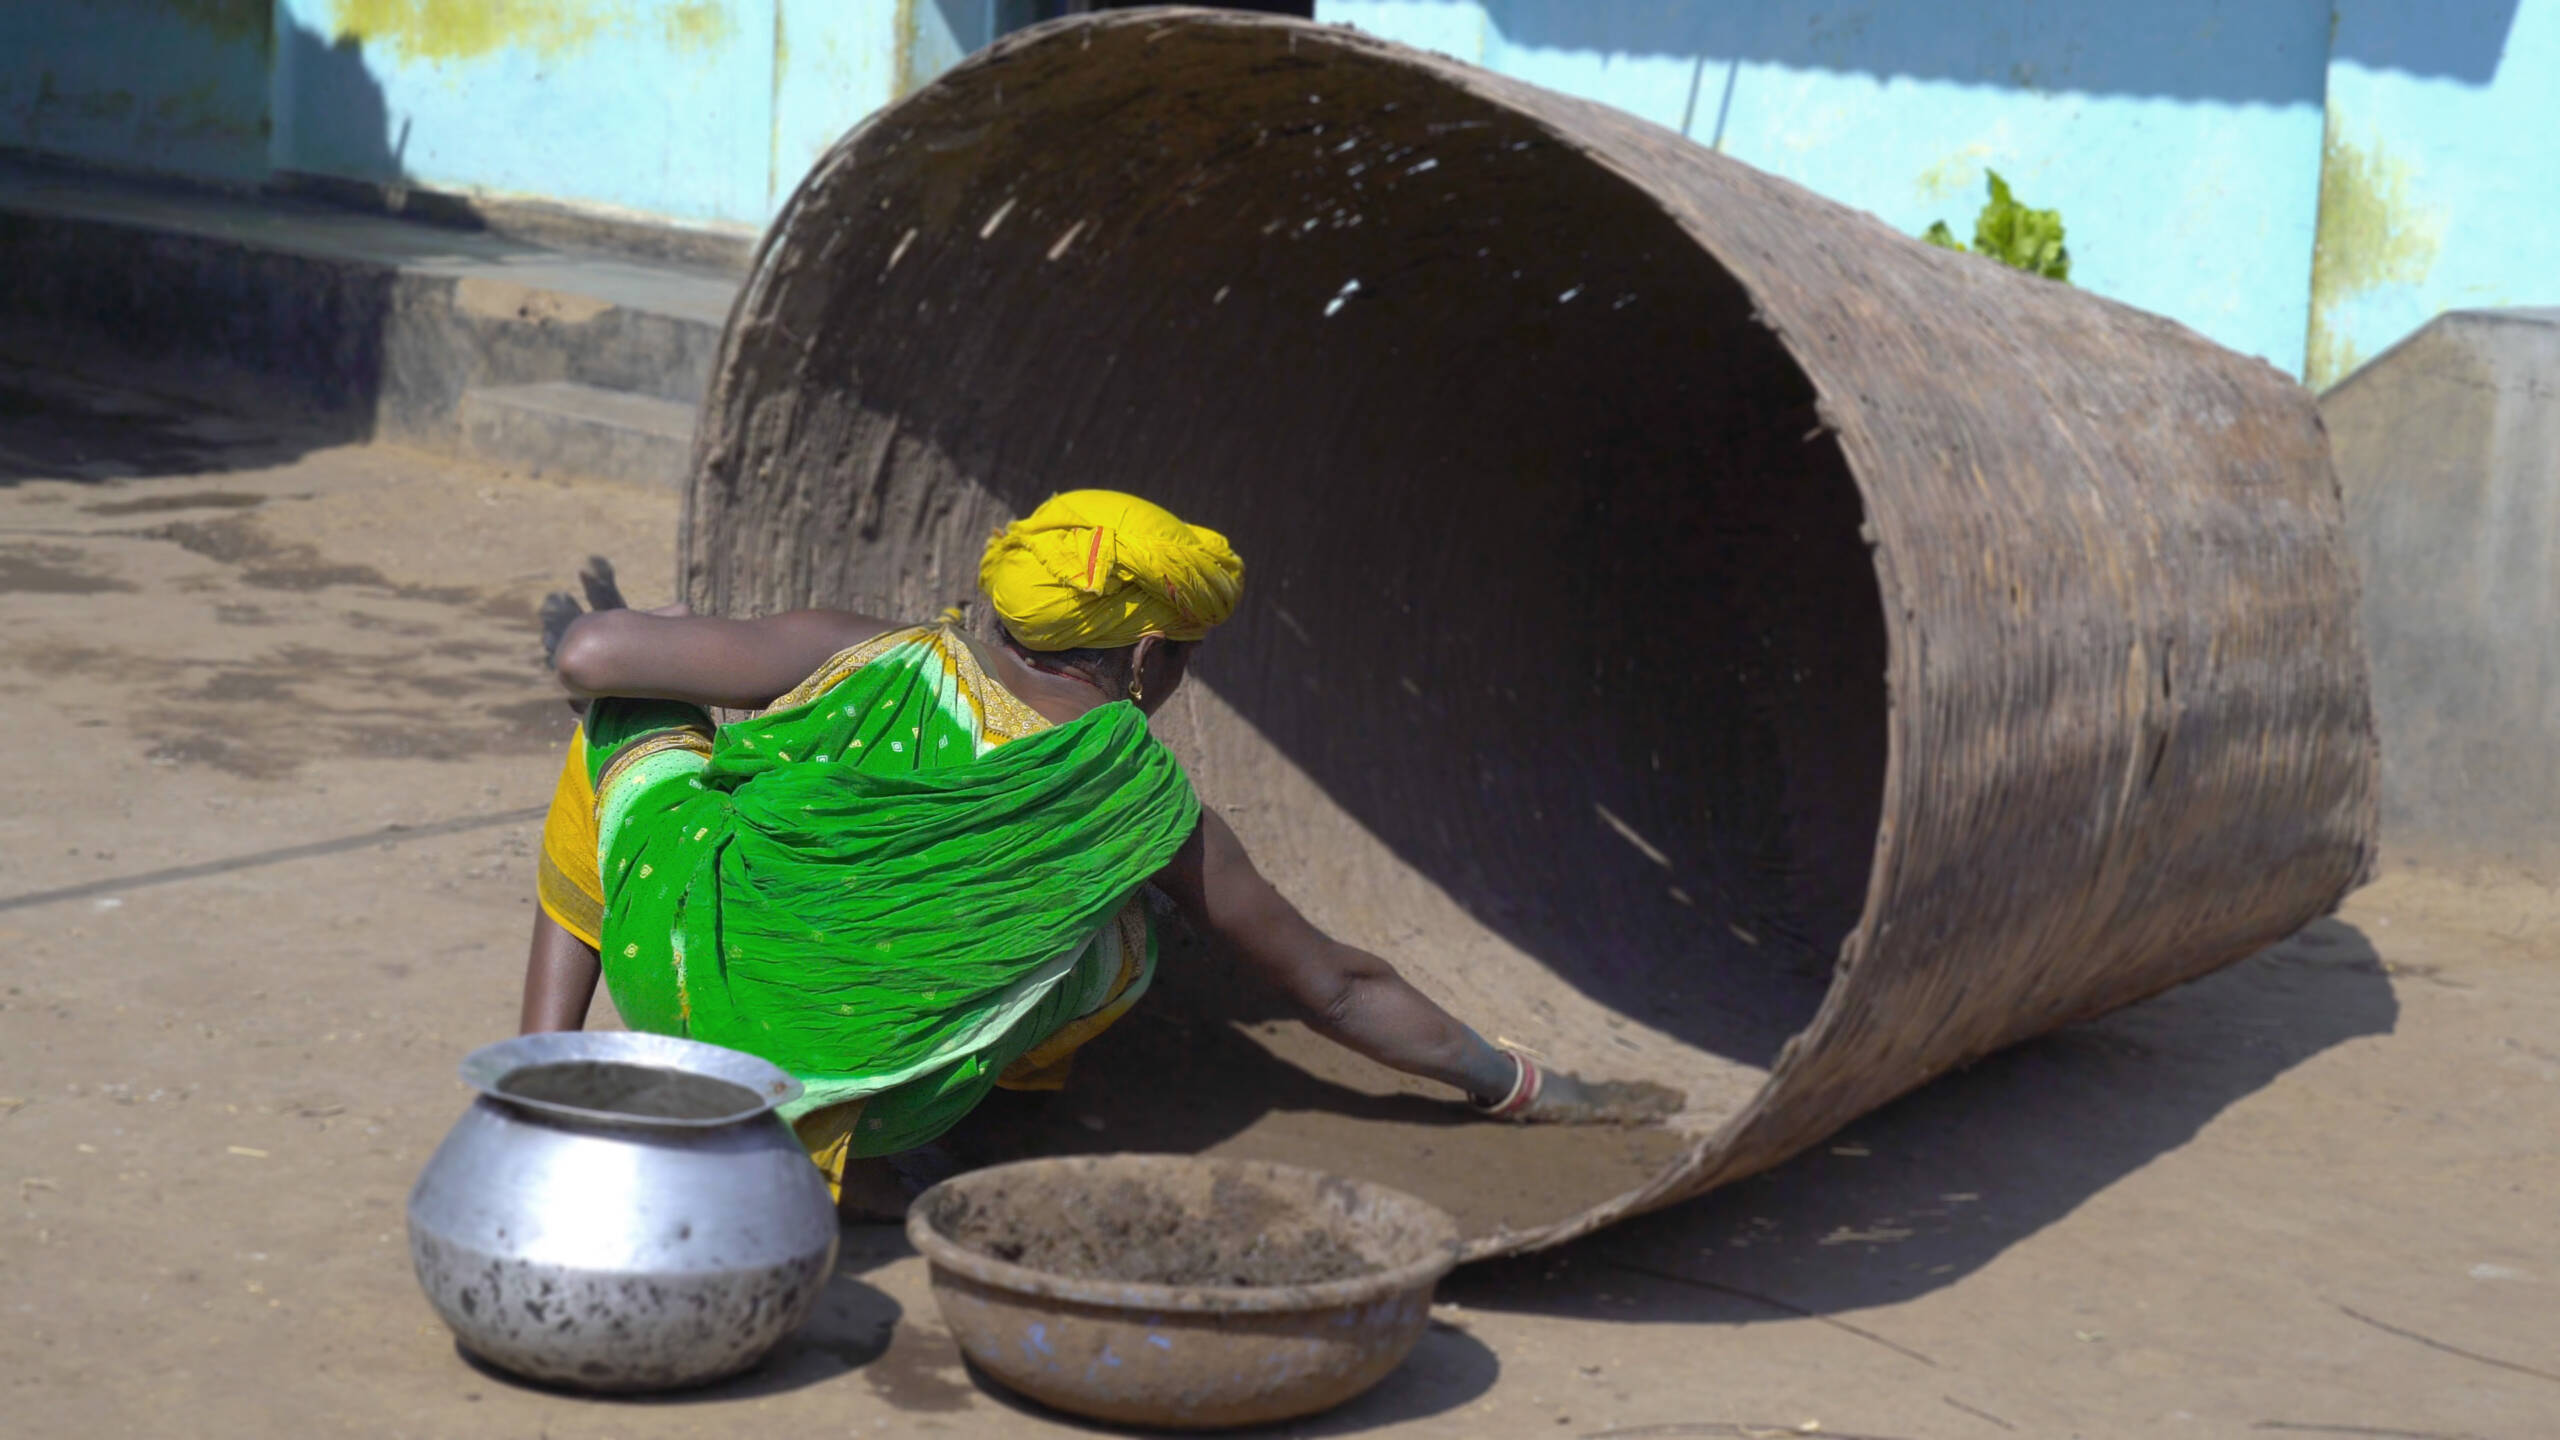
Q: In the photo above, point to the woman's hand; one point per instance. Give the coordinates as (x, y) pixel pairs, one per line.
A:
(1357, 1000)
(1345, 994)
(1544, 1096)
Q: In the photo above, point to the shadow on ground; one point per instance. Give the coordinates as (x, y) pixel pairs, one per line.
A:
(1910, 1199)
(124, 269)
(1933, 1187)
(58, 423)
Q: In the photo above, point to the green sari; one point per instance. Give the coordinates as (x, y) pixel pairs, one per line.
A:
(896, 884)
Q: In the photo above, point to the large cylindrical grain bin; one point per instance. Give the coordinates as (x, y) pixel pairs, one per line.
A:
(1696, 632)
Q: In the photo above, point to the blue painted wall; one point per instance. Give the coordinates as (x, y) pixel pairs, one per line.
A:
(2202, 152)
(665, 109)
(702, 111)
(835, 61)
(2441, 189)
(2180, 139)
(2305, 180)
(178, 86)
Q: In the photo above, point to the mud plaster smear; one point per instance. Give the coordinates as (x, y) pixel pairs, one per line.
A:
(1202, 1067)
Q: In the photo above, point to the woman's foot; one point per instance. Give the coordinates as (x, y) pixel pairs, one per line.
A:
(559, 609)
(878, 1190)
(596, 578)
(870, 1194)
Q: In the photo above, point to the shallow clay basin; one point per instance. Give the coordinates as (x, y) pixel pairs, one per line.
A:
(1181, 1292)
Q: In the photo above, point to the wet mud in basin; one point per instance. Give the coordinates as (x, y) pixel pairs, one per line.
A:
(1131, 1232)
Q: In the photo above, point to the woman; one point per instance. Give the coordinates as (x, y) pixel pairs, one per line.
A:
(913, 875)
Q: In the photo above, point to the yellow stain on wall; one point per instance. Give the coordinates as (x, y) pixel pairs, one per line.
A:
(2370, 235)
(902, 60)
(1955, 174)
(698, 25)
(470, 29)
(773, 127)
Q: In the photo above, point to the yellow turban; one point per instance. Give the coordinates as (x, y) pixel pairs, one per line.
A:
(1098, 569)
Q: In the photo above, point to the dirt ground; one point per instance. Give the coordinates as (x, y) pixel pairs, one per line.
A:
(264, 870)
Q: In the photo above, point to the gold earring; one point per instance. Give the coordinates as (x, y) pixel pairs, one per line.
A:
(1137, 688)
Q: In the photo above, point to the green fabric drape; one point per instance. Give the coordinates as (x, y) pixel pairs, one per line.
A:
(865, 891)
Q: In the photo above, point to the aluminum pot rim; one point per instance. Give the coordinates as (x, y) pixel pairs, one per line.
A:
(483, 1069)
(947, 1254)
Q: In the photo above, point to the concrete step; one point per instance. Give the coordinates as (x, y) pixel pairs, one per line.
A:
(386, 325)
(563, 427)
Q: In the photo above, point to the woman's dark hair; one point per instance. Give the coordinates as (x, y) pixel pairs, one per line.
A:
(1112, 668)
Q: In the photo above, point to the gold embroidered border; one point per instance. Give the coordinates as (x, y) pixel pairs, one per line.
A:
(1001, 714)
(827, 1134)
(641, 749)
(1046, 1066)
(844, 663)
(578, 912)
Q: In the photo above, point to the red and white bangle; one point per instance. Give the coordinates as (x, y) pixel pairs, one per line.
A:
(1524, 1090)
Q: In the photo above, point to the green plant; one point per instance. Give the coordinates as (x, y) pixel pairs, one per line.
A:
(2013, 234)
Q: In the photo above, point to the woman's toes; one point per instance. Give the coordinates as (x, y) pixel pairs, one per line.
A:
(597, 576)
(558, 609)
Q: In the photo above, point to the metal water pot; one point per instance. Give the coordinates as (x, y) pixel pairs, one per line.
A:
(621, 1212)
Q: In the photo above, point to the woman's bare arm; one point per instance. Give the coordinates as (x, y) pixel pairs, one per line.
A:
(559, 978)
(1348, 995)
(739, 664)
